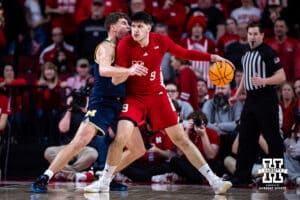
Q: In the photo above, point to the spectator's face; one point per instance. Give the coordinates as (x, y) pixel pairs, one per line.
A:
(280, 28)
(122, 28)
(49, 73)
(231, 26)
(202, 88)
(197, 31)
(172, 91)
(222, 90)
(297, 89)
(242, 31)
(238, 77)
(287, 92)
(83, 70)
(57, 35)
(140, 31)
(8, 72)
(137, 6)
(97, 11)
(175, 63)
(161, 30)
(255, 37)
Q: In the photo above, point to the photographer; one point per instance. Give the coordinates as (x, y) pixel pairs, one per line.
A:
(292, 155)
(205, 139)
(68, 126)
(155, 160)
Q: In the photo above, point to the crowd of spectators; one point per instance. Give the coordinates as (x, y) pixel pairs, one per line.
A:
(58, 38)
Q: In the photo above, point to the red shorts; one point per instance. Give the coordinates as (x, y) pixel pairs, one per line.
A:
(158, 108)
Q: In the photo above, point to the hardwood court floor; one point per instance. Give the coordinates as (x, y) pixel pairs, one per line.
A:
(19, 190)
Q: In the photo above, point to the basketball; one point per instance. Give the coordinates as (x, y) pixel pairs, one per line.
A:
(221, 73)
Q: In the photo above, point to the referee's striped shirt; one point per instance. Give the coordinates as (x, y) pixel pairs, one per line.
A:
(261, 61)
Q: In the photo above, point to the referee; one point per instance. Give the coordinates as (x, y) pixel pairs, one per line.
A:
(261, 72)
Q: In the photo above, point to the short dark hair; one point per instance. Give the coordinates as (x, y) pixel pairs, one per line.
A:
(113, 18)
(198, 115)
(256, 24)
(142, 17)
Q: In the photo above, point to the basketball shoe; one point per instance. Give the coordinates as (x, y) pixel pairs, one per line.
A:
(101, 185)
(219, 186)
(40, 185)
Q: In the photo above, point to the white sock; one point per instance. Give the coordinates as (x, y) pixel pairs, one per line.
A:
(108, 171)
(49, 173)
(207, 173)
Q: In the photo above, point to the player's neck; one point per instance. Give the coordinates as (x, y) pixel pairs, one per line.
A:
(113, 40)
(144, 42)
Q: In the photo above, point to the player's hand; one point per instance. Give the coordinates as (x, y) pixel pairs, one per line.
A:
(258, 81)
(217, 58)
(138, 70)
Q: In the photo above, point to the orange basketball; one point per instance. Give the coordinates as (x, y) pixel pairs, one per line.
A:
(221, 73)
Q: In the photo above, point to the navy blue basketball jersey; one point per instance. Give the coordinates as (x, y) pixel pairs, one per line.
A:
(103, 86)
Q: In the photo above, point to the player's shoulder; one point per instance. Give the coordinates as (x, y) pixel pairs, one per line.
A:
(127, 41)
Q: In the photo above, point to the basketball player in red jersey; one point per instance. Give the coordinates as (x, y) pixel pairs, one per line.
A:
(146, 96)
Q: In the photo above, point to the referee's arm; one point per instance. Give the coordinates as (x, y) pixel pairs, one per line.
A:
(239, 91)
(276, 79)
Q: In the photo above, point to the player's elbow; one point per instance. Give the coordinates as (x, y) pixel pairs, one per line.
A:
(103, 71)
(115, 81)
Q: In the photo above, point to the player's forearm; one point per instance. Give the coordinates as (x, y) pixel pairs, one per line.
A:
(113, 71)
(183, 53)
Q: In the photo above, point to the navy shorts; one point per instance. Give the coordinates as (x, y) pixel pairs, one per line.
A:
(103, 113)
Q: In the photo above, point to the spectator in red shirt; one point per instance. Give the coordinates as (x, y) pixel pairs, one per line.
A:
(154, 161)
(229, 37)
(196, 40)
(3, 112)
(52, 52)
(14, 89)
(171, 13)
(206, 140)
(214, 17)
(2, 35)
(287, 103)
(287, 48)
(48, 104)
(186, 81)
(110, 6)
(63, 15)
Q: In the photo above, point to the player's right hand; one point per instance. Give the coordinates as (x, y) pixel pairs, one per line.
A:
(138, 70)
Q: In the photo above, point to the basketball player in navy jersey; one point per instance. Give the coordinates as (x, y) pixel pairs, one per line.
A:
(105, 102)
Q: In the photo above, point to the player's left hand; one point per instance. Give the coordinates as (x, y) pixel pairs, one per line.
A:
(258, 81)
